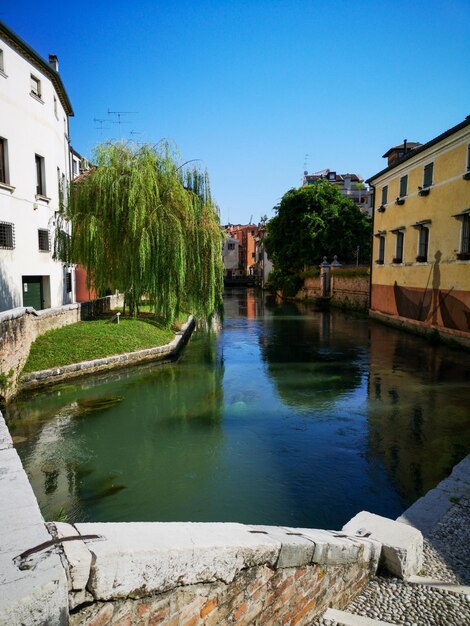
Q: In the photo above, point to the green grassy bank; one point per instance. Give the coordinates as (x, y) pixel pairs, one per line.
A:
(94, 339)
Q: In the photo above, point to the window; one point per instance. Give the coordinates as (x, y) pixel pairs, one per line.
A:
(2, 67)
(384, 194)
(428, 175)
(68, 282)
(465, 243)
(468, 158)
(40, 177)
(7, 236)
(35, 86)
(403, 185)
(253, 255)
(43, 240)
(423, 242)
(399, 249)
(4, 178)
(381, 257)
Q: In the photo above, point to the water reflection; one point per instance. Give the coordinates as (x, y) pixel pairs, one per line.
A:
(418, 409)
(82, 447)
(289, 416)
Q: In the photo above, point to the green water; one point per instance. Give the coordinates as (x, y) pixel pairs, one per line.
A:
(286, 416)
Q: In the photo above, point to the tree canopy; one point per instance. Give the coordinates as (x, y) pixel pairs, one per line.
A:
(141, 225)
(316, 221)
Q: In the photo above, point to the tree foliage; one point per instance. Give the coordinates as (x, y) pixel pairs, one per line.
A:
(142, 225)
(316, 221)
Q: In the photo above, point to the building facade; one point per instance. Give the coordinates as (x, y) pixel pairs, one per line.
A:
(421, 250)
(230, 255)
(351, 186)
(34, 166)
(246, 236)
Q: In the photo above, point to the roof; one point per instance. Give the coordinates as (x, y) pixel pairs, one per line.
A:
(339, 178)
(24, 49)
(421, 148)
(410, 145)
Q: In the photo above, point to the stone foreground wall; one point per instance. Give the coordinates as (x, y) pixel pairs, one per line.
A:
(191, 574)
(20, 327)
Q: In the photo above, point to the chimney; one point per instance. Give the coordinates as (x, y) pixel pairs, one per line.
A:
(405, 141)
(54, 62)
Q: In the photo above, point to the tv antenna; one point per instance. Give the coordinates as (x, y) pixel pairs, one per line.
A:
(100, 121)
(119, 115)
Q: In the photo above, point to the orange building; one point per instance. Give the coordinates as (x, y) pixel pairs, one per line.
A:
(246, 235)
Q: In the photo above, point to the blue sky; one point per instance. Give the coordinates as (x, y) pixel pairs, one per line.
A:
(251, 87)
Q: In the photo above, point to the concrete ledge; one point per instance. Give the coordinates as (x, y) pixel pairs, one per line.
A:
(34, 380)
(402, 545)
(139, 559)
(428, 511)
(36, 594)
(446, 335)
(342, 618)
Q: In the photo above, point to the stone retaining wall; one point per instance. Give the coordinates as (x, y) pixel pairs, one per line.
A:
(20, 327)
(34, 380)
(351, 292)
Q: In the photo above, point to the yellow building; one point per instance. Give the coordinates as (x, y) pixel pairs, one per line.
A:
(421, 222)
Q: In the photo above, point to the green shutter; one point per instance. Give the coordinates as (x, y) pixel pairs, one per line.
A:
(403, 185)
(428, 174)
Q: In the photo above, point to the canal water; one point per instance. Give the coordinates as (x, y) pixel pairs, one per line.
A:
(288, 416)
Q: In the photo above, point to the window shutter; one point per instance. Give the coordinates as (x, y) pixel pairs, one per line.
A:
(428, 174)
(403, 185)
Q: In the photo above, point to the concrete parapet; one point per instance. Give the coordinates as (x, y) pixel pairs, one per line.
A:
(402, 545)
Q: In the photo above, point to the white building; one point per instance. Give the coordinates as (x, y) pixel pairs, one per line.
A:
(230, 255)
(351, 186)
(34, 161)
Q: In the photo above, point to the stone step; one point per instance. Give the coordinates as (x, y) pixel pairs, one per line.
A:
(342, 618)
(439, 584)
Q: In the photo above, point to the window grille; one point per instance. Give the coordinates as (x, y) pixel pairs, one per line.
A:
(423, 244)
(7, 236)
(43, 239)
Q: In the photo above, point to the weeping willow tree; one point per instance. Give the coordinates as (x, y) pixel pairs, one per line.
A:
(143, 225)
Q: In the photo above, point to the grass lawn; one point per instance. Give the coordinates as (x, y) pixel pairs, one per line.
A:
(94, 339)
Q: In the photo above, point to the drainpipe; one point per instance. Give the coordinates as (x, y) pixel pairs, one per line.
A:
(372, 250)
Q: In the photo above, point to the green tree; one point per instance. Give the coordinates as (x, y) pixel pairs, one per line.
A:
(141, 225)
(316, 221)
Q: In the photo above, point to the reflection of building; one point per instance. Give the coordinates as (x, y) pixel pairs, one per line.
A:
(246, 237)
(351, 186)
(34, 167)
(421, 268)
(418, 415)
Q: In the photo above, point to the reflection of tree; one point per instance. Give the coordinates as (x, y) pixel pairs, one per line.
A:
(308, 365)
(418, 409)
(151, 452)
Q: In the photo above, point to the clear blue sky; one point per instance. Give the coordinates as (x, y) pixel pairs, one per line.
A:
(251, 87)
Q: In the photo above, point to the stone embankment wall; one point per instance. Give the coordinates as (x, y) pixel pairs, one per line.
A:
(351, 292)
(347, 289)
(34, 380)
(20, 327)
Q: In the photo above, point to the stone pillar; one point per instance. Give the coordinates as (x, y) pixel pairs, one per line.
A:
(325, 278)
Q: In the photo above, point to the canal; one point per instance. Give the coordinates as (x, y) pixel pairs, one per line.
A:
(288, 416)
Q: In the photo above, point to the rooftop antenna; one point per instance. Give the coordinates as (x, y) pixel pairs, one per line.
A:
(101, 122)
(306, 157)
(119, 115)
